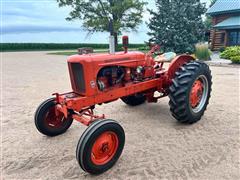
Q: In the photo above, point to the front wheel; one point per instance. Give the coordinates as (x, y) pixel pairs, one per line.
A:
(190, 92)
(48, 122)
(100, 146)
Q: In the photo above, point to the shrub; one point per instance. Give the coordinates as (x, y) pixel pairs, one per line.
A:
(222, 49)
(235, 59)
(202, 52)
(232, 53)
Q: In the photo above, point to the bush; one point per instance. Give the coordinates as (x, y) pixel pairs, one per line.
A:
(222, 49)
(235, 59)
(232, 53)
(202, 52)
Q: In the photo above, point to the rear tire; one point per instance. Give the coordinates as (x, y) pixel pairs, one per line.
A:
(100, 146)
(47, 122)
(134, 100)
(190, 92)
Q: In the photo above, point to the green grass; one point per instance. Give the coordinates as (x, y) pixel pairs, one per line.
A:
(72, 52)
(67, 53)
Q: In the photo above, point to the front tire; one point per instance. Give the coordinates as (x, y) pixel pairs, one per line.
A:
(47, 122)
(100, 146)
(190, 92)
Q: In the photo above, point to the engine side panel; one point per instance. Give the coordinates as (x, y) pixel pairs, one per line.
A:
(92, 64)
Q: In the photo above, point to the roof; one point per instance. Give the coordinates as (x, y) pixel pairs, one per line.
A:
(224, 6)
(230, 23)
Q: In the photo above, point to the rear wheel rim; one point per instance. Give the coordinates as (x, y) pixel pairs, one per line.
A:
(104, 148)
(198, 94)
(53, 119)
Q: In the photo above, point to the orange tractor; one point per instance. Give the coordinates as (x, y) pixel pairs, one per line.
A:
(134, 77)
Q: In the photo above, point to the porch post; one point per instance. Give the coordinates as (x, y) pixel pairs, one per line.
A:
(226, 39)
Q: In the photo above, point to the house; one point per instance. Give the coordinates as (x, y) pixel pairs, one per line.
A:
(226, 23)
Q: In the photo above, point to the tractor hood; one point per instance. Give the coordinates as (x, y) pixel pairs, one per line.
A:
(109, 59)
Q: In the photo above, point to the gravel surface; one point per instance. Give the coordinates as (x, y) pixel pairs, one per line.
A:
(157, 147)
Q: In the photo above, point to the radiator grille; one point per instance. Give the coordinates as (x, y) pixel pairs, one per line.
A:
(78, 77)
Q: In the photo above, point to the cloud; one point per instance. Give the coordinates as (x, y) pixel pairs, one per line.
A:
(19, 29)
(13, 13)
(20, 17)
(44, 21)
(44, 12)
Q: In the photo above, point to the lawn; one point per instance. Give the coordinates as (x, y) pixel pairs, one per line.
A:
(73, 52)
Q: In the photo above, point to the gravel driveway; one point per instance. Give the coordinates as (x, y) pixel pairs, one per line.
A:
(157, 147)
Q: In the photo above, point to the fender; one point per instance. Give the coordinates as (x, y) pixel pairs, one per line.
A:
(176, 63)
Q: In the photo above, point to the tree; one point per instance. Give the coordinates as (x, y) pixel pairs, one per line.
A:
(177, 25)
(208, 20)
(113, 16)
(212, 2)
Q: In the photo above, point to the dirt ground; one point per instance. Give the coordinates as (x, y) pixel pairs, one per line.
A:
(157, 147)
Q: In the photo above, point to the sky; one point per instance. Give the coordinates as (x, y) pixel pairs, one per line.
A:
(42, 21)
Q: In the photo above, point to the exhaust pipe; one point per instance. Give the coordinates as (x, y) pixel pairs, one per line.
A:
(111, 38)
(111, 45)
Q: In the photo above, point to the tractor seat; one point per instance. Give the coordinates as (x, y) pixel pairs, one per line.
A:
(166, 57)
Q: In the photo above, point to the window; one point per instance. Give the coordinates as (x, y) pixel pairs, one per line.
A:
(222, 38)
(234, 38)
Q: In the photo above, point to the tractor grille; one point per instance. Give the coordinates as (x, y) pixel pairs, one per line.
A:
(77, 77)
